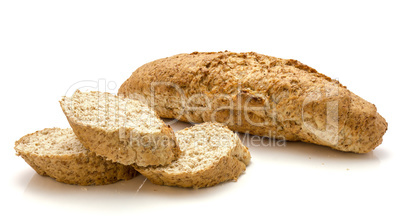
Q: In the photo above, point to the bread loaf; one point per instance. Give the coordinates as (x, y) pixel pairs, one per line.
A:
(122, 130)
(211, 154)
(259, 95)
(59, 154)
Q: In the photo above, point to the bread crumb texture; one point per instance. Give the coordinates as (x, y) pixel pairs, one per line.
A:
(109, 112)
(211, 154)
(58, 153)
(122, 130)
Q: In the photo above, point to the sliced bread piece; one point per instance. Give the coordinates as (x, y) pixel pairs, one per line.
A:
(211, 154)
(122, 130)
(58, 153)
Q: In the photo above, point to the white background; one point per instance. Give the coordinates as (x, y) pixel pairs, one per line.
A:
(48, 46)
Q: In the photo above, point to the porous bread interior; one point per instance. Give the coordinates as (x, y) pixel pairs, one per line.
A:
(52, 141)
(202, 146)
(111, 112)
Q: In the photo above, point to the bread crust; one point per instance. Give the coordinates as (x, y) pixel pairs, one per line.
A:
(228, 168)
(259, 95)
(110, 144)
(83, 168)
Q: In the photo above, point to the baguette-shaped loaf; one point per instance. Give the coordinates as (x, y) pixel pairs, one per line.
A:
(58, 153)
(260, 95)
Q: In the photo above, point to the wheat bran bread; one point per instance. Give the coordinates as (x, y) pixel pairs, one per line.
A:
(122, 130)
(211, 154)
(260, 95)
(58, 153)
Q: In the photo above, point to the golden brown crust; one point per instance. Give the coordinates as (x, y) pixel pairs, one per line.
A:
(110, 146)
(228, 168)
(260, 95)
(79, 168)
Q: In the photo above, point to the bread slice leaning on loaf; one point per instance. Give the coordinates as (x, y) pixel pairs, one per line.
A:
(58, 153)
(122, 130)
(260, 95)
(211, 154)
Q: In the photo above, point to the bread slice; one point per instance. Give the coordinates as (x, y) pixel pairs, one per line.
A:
(122, 130)
(58, 153)
(211, 154)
